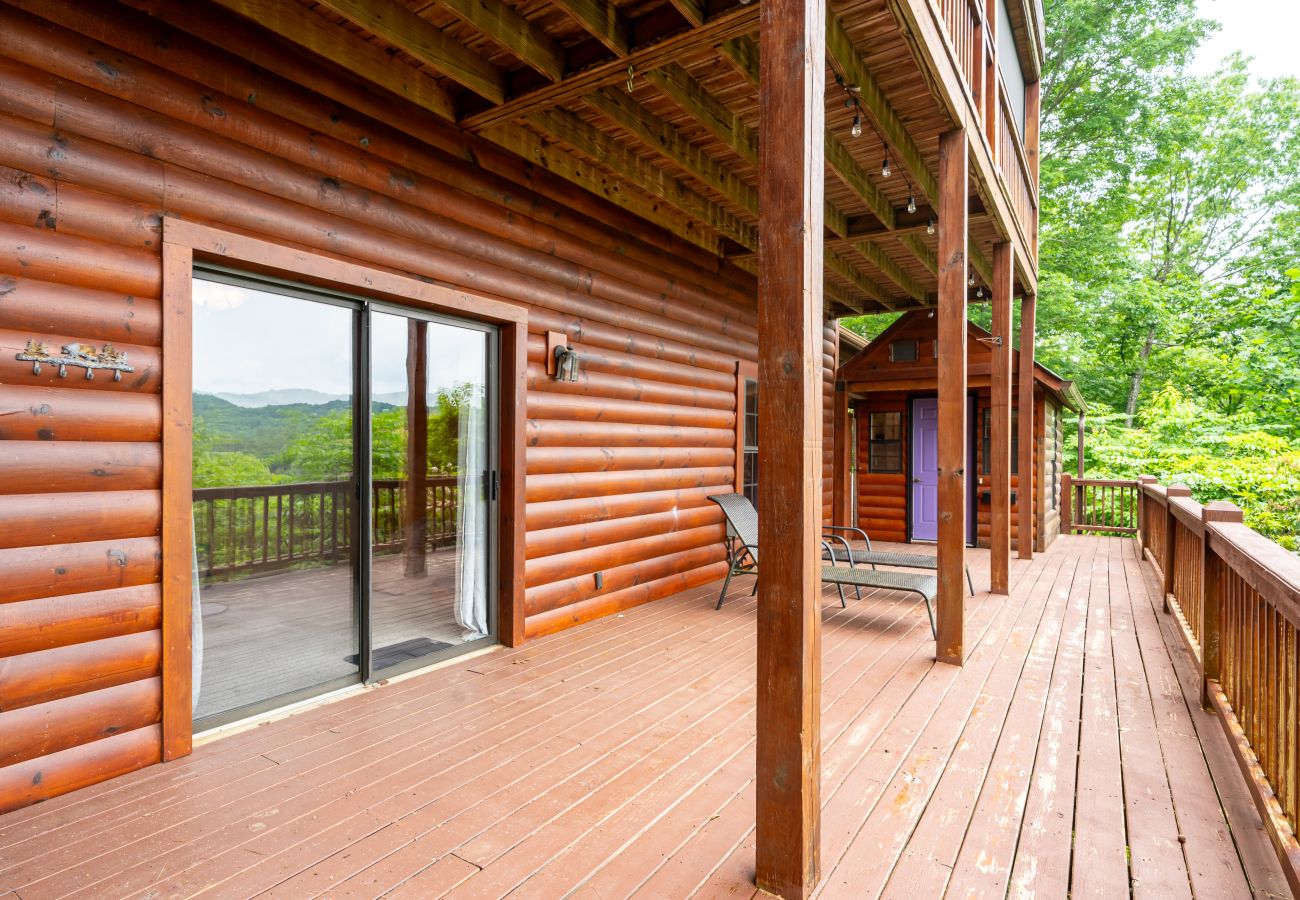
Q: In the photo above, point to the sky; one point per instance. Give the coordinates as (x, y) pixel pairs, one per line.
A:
(247, 341)
(1264, 29)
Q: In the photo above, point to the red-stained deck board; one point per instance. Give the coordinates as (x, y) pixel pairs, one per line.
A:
(617, 760)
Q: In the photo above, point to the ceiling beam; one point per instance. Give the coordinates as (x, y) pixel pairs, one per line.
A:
(653, 179)
(722, 27)
(850, 273)
(601, 20)
(501, 23)
(696, 101)
(928, 257)
(839, 46)
(426, 42)
(300, 26)
(891, 270)
(693, 11)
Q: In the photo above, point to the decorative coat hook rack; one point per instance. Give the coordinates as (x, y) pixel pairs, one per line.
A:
(84, 356)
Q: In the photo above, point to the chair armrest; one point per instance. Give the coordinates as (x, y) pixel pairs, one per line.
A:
(850, 528)
(848, 549)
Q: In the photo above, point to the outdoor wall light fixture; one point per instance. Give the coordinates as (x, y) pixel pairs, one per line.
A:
(566, 363)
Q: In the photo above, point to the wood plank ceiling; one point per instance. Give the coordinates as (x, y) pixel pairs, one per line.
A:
(656, 102)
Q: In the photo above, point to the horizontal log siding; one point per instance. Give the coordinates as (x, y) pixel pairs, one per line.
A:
(109, 121)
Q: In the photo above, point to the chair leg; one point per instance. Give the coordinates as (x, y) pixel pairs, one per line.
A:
(843, 604)
(726, 581)
(970, 582)
(755, 590)
(929, 611)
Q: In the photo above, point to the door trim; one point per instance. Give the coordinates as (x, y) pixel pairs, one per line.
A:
(183, 243)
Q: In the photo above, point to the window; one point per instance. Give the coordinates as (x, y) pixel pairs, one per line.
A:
(902, 351)
(885, 442)
(749, 480)
(987, 441)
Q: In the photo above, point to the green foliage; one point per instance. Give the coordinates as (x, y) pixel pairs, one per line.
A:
(1218, 456)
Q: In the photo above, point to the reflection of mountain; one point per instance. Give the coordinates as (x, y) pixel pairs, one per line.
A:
(266, 429)
(298, 396)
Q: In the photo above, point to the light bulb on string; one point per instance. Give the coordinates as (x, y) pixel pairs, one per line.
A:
(856, 130)
(911, 203)
(971, 280)
(979, 292)
(929, 226)
(884, 168)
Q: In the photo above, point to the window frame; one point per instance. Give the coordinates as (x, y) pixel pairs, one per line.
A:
(895, 443)
(986, 441)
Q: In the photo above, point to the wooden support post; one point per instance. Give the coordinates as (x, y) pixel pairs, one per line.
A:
(1144, 518)
(792, 131)
(1211, 573)
(1025, 484)
(1000, 439)
(1170, 561)
(842, 510)
(416, 531)
(951, 368)
(1067, 503)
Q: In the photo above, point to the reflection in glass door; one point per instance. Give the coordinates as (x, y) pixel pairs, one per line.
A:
(332, 544)
(431, 482)
(274, 489)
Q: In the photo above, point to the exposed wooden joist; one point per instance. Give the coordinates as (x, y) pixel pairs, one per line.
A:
(850, 273)
(612, 154)
(840, 47)
(602, 21)
(722, 27)
(891, 270)
(927, 256)
(696, 101)
(693, 11)
(426, 42)
(664, 138)
(500, 22)
(790, 333)
(322, 37)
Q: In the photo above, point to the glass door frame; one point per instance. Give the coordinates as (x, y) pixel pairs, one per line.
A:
(362, 530)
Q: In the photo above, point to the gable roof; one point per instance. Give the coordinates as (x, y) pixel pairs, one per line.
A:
(861, 366)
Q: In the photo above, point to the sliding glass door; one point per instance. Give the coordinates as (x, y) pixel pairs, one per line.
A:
(432, 482)
(344, 488)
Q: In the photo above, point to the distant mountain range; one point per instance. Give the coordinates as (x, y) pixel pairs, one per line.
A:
(299, 396)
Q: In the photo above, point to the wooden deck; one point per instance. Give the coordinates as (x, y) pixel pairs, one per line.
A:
(616, 760)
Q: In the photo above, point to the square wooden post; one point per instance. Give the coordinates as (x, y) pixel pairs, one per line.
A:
(1170, 562)
(842, 478)
(1000, 440)
(1144, 514)
(1025, 482)
(790, 318)
(1211, 600)
(952, 457)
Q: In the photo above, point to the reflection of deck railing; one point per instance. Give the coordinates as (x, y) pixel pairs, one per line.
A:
(1237, 595)
(260, 528)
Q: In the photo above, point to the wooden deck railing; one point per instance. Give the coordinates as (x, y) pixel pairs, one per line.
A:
(1237, 598)
(1098, 505)
(261, 528)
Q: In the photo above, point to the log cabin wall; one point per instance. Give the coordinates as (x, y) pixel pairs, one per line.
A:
(108, 121)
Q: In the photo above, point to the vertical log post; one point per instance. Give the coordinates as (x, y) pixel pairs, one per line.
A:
(953, 265)
(1211, 601)
(1026, 486)
(790, 312)
(842, 479)
(1170, 561)
(1000, 439)
(417, 448)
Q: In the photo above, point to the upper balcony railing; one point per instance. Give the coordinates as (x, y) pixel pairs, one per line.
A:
(976, 50)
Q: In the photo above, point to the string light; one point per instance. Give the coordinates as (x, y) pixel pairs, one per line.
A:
(929, 226)
(979, 293)
(971, 280)
(911, 203)
(856, 130)
(885, 171)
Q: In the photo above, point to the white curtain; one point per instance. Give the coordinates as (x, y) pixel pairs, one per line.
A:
(471, 526)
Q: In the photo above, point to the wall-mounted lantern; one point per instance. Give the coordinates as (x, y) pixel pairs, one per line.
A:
(561, 358)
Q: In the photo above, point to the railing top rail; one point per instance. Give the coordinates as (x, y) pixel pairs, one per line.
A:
(1102, 482)
(308, 487)
(1188, 512)
(1272, 570)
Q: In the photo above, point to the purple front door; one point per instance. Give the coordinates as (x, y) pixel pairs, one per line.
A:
(925, 469)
